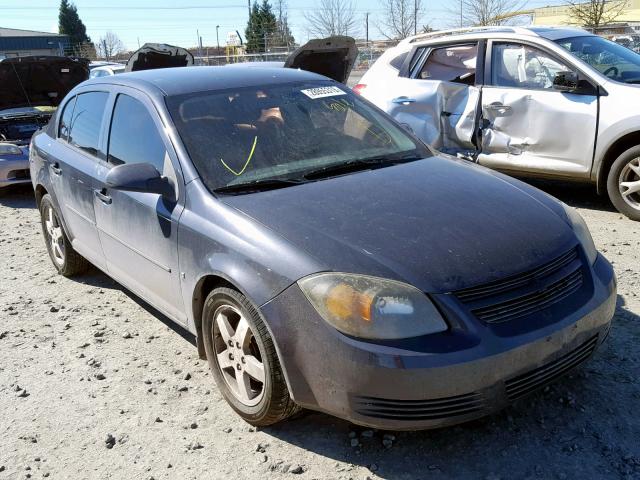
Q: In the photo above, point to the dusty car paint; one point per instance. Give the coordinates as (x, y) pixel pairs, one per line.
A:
(441, 225)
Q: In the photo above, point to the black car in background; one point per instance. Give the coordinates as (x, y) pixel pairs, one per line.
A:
(30, 90)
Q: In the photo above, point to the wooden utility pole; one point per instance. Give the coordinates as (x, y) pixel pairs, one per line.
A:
(366, 28)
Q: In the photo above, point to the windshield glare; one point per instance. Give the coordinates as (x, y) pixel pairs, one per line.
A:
(614, 61)
(282, 131)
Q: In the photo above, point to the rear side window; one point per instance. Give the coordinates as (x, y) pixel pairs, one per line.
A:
(451, 64)
(84, 130)
(134, 137)
(65, 120)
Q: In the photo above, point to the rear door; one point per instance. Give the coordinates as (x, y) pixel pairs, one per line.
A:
(138, 230)
(72, 164)
(527, 125)
(439, 99)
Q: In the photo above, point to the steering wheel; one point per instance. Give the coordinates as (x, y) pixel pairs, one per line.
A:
(611, 69)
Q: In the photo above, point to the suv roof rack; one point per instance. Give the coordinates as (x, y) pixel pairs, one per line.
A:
(459, 31)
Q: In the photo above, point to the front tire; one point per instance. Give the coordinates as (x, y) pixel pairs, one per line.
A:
(67, 261)
(243, 359)
(623, 183)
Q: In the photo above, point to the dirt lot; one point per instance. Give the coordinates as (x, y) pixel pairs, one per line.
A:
(85, 365)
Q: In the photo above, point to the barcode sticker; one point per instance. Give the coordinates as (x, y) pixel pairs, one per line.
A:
(322, 92)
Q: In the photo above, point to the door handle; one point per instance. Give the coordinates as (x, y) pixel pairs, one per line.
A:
(103, 197)
(403, 100)
(499, 107)
(55, 168)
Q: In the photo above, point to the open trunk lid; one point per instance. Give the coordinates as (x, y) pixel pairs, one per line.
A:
(332, 57)
(39, 80)
(158, 55)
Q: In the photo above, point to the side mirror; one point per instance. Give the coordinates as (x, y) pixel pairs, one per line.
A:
(139, 177)
(566, 81)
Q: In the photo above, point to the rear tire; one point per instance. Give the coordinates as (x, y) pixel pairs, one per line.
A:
(243, 359)
(623, 183)
(67, 261)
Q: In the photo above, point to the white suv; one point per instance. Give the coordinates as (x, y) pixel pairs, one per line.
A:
(545, 102)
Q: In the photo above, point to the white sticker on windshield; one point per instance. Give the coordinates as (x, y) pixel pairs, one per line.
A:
(321, 92)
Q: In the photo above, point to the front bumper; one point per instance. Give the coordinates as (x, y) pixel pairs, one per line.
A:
(392, 387)
(14, 171)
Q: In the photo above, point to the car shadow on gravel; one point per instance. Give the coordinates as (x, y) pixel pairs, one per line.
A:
(577, 426)
(18, 196)
(98, 279)
(578, 195)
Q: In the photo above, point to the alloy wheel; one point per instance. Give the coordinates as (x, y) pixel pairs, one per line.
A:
(629, 183)
(238, 355)
(54, 235)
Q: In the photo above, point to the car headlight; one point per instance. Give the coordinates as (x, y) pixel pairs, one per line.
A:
(9, 149)
(372, 307)
(582, 232)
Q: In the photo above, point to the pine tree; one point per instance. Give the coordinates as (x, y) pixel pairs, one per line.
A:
(261, 27)
(252, 32)
(69, 23)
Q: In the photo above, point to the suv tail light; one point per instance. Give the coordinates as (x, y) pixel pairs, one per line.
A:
(359, 88)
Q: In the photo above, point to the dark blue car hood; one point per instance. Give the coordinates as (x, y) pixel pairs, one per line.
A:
(438, 224)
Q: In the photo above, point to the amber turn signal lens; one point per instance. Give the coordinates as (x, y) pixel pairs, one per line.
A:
(344, 301)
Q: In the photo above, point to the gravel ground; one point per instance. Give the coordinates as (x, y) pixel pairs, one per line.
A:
(96, 384)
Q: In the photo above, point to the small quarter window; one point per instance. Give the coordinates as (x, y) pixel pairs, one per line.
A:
(65, 120)
(398, 60)
(455, 64)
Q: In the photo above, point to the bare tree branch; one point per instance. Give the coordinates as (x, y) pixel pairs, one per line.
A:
(482, 13)
(400, 18)
(332, 17)
(592, 14)
(109, 46)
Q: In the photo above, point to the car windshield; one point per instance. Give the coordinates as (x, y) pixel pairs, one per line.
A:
(284, 132)
(614, 61)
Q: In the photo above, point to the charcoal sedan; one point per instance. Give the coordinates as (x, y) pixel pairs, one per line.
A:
(321, 255)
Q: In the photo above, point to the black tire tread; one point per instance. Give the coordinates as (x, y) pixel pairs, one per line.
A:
(281, 406)
(612, 183)
(74, 263)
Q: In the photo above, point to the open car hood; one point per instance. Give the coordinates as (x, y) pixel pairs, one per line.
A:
(158, 55)
(39, 80)
(332, 57)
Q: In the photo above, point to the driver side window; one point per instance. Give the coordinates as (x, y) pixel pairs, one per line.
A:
(522, 66)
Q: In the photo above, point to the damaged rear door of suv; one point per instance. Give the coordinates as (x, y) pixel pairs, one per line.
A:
(440, 95)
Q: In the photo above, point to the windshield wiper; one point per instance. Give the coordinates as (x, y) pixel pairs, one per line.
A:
(359, 164)
(258, 185)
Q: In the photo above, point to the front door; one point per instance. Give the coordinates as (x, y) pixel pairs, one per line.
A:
(138, 230)
(527, 125)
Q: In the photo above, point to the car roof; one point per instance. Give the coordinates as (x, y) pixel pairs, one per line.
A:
(549, 33)
(183, 80)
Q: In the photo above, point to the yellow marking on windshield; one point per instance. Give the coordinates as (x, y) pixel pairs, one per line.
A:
(237, 174)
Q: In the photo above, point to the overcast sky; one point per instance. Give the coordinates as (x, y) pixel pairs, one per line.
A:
(176, 21)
